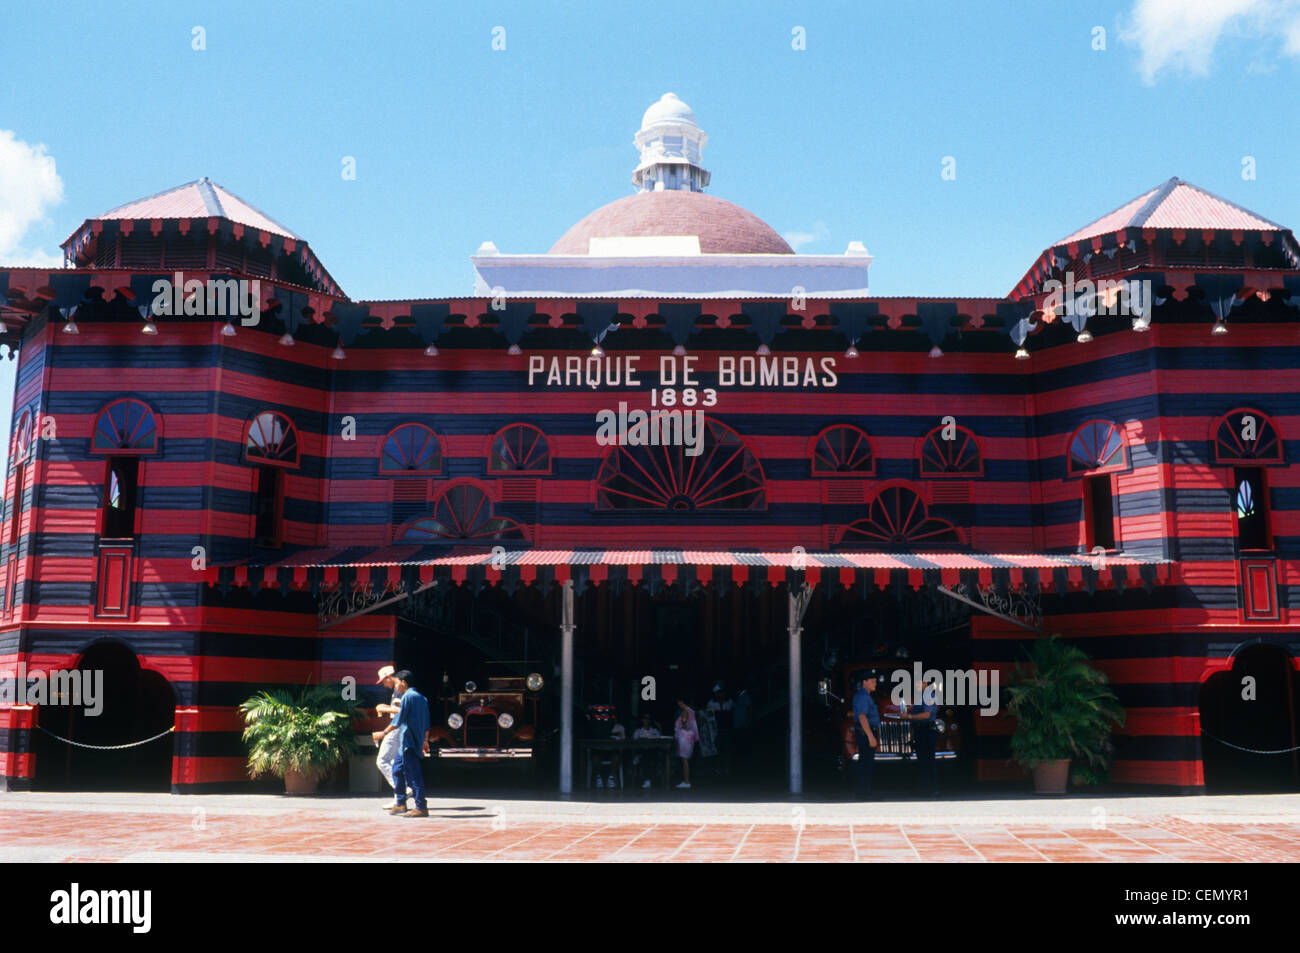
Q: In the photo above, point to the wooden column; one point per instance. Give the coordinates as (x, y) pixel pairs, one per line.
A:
(796, 695)
(566, 689)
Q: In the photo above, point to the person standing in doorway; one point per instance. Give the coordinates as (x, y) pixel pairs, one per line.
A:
(687, 733)
(707, 726)
(721, 707)
(412, 727)
(387, 740)
(866, 730)
(922, 716)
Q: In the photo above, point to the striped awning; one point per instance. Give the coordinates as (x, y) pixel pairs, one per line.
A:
(412, 566)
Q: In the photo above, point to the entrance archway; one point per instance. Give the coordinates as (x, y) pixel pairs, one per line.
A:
(1267, 722)
(136, 704)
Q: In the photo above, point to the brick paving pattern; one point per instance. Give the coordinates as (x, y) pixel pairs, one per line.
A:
(459, 834)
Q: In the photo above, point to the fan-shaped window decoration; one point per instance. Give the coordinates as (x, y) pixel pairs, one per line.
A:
(958, 457)
(725, 475)
(1246, 436)
(21, 445)
(898, 518)
(843, 450)
(463, 512)
(1096, 446)
(272, 438)
(411, 448)
(520, 448)
(125, 427)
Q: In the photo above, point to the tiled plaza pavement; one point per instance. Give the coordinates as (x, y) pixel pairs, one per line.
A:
(243, 828)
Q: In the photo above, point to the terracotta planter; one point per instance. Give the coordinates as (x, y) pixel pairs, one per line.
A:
(296, 782)
(1051, 777)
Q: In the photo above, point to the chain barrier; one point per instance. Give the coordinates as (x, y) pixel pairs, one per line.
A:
(133, 744)
(1249, 750)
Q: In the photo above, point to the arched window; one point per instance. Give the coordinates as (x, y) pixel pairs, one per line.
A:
(843, 450)
(898, 518)
(1246, 436)
(723, 475)
(21, 445)
(1095, 447)
(463, 512)
(20, 450)
(124, 427)
(272, 438)
(411, 449)
(951, 451)
(520, 448)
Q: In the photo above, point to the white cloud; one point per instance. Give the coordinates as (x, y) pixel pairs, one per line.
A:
(1181, 35)
(29, 187)
(797, 240)
(1292, 31)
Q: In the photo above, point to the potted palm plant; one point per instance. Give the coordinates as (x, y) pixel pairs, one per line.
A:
(1065, 712)
(298, 738)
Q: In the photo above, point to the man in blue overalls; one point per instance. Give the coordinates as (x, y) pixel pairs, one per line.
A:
(866, 731)
(412, 721)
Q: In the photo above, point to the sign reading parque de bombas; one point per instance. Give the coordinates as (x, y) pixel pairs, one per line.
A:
(672, 370)
(677, 395)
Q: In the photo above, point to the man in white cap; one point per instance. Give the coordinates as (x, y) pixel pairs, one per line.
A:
(388, 742)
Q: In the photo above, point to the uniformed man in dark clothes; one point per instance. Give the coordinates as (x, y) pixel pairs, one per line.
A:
(866, 731)
(922, 716)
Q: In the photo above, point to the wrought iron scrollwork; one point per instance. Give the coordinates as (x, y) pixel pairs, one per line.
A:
(349, 600)
(1020, 604)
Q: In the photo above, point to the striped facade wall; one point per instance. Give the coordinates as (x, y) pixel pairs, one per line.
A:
(1176, 502)
(1163, 390)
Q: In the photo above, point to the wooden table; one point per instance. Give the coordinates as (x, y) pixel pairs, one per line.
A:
(664, 746)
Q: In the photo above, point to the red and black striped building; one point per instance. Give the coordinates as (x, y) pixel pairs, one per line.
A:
(242, 506)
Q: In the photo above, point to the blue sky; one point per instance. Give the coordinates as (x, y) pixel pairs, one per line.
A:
(456, 143)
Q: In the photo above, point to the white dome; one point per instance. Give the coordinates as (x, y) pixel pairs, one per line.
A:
(668, 109)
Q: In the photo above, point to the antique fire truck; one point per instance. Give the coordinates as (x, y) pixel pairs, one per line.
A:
(494, 723)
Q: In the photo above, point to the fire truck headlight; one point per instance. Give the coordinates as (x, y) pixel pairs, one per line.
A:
(505, 719)
(454, 721)
(939, 726)
(534, 682)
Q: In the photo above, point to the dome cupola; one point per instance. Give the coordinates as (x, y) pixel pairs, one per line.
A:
(670, 141)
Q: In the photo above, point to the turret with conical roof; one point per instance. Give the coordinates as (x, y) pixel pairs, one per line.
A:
(1174, 225)
(201, 226)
